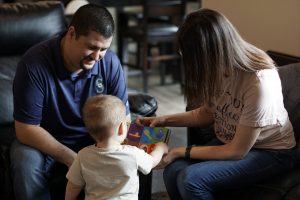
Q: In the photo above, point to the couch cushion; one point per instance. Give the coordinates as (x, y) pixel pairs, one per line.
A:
(290, 80)
(25, 24)
(8, 67)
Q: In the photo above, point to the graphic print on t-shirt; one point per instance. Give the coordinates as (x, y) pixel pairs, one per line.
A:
(227, 115)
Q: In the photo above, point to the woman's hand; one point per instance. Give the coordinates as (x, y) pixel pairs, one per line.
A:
(161, 164)
(172, 155)
(151, 121)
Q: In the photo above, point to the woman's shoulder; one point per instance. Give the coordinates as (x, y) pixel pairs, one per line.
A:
(259, 75)
(267, 72)
(268, 77)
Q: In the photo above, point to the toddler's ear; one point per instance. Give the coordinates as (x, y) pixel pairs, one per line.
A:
(122, 128)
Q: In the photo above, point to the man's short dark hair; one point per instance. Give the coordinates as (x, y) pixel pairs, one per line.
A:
(92, 17)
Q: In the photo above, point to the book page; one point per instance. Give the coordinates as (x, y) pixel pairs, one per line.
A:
(146, 137)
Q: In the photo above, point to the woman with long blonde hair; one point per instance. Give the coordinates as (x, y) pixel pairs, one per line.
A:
(239, 90)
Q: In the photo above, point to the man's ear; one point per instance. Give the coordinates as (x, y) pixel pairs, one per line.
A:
(71, 31)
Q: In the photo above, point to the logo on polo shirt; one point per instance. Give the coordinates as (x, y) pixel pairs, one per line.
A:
(99, 87)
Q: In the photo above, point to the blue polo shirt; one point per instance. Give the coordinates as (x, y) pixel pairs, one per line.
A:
(47, 94)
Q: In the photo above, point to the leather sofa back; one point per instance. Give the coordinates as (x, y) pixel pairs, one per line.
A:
(22, 25)
(25, 24)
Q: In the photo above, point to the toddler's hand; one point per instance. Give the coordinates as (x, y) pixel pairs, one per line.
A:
(162, 146)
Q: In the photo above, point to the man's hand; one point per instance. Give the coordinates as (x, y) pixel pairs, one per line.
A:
(69, 160)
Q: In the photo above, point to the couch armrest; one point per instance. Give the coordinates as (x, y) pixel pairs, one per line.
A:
(142, 104)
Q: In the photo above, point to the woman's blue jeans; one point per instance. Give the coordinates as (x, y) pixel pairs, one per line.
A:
(194, 179)
(31, 172)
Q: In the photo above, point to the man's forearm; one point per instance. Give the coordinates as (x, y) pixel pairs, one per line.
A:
(39, 138)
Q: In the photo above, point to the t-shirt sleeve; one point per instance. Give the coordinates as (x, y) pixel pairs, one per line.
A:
(28, 94)
(74, 174)
(117, 84)
(262, 100)
(144, 161)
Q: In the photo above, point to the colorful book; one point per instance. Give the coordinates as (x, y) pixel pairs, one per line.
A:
(146, 137)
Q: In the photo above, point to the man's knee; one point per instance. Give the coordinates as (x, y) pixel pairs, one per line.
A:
(25, 161)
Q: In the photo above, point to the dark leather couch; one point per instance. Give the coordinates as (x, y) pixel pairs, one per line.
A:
(21, 26)
(284, 186)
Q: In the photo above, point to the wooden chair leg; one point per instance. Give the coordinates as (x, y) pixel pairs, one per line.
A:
(145, 79)
(144, 65)
(162, 70)
(124, 54)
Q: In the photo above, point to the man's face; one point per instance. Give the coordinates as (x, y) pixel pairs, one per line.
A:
(86, 50)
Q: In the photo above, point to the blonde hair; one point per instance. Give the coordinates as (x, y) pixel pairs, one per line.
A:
(211, 48)
(102, 115)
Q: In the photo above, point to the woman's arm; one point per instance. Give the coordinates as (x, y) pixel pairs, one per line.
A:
(242, 142)
(198, 117)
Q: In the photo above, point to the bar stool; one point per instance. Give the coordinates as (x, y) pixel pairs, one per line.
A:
(155, 28)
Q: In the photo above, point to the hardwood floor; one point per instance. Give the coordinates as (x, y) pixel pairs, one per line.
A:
(170, 100)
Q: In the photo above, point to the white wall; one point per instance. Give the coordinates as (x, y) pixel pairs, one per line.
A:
(268, 24)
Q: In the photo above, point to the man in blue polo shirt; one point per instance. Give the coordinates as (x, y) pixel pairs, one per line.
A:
(52, 83)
